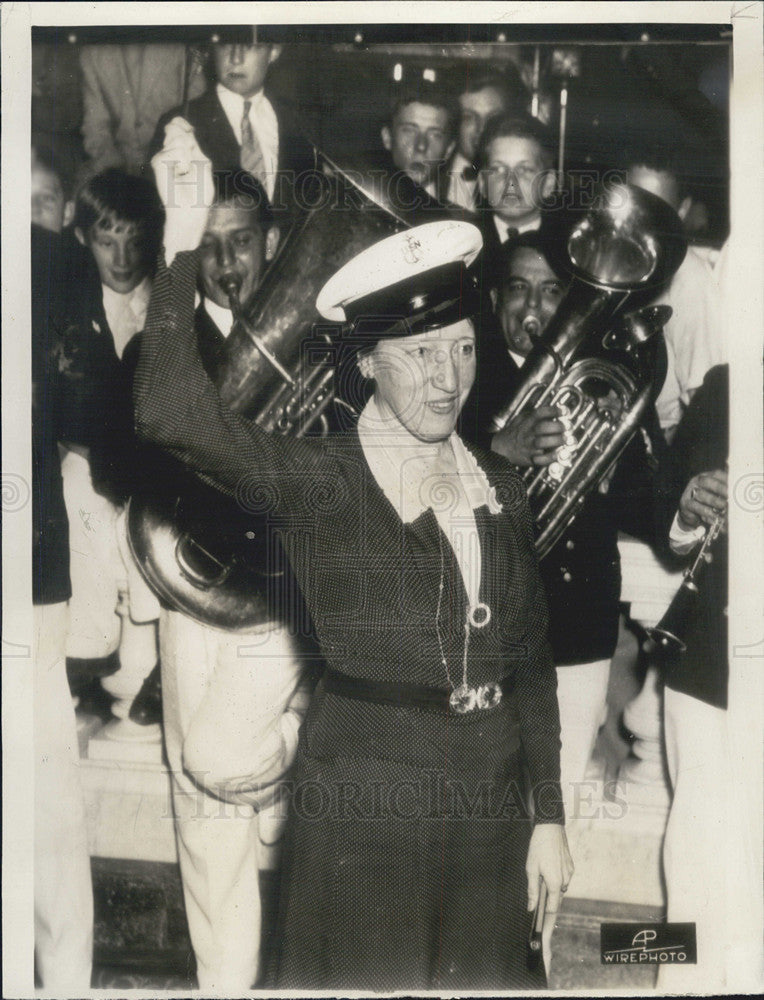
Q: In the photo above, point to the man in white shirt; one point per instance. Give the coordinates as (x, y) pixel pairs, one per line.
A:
(693, 334)
(240, 72)
(238, 125)
(486, 94)
(420, 133)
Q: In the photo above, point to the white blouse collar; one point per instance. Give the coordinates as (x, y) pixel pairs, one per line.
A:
(407, 470)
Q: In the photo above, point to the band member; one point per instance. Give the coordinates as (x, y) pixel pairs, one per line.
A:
(581, 573)
(487, 93)
(232, 701)
(421, 132)
(707, 853)
(430, 616)
(694, 333)
(63, 894)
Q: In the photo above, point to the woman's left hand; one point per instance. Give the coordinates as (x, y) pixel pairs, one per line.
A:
(549, 857)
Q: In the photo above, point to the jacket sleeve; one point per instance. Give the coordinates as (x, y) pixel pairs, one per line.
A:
(178, 408)
(700, 445)
(631, 494)
(535, 679)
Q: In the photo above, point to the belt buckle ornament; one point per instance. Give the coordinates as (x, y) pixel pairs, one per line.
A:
(465, 699)
(489, 695)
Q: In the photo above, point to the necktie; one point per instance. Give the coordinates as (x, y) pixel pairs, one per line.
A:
(251, 154)
(511, 234)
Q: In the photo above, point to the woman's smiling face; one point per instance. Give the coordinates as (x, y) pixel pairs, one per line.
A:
(424, 379)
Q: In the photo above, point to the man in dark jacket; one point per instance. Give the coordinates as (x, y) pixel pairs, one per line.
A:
(709, 866)
(237, 123)
(514, 161)
(61, 383)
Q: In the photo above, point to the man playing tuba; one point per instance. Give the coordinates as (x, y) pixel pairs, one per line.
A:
(247, 685)
(581, 573)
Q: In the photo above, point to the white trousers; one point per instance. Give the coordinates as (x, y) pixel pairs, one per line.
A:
(232, 707)
(709, 867)
(94, 562)
(63, 894)
(582, 699)
(111, 606)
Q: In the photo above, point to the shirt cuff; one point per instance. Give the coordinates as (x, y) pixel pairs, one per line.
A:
(682, 540)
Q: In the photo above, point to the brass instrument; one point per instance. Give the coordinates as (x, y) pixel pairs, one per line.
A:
(667, 637)
(531, 325)
(596, 369)
(357, 208)
(197, 549)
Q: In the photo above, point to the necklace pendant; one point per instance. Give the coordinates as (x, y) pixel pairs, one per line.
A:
(479, 615)
(489, 695)
(463, 699)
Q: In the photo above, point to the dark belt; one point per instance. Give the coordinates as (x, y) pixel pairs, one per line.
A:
(430, 699)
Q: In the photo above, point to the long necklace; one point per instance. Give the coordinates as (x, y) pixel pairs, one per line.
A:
(464, 698)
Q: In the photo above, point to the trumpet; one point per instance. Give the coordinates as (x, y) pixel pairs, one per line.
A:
(231, 286)
(669, 634)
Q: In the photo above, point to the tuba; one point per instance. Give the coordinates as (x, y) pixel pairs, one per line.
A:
(275, 372)
(197, 549)
(593, 362)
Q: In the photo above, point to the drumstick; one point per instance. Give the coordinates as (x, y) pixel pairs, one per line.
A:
(533, 956)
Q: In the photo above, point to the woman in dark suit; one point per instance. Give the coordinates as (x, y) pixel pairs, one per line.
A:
(409, 839)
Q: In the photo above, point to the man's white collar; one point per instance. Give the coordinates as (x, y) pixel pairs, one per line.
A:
(220, 316)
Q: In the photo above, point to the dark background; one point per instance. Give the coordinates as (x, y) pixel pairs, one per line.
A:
(667, 83)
